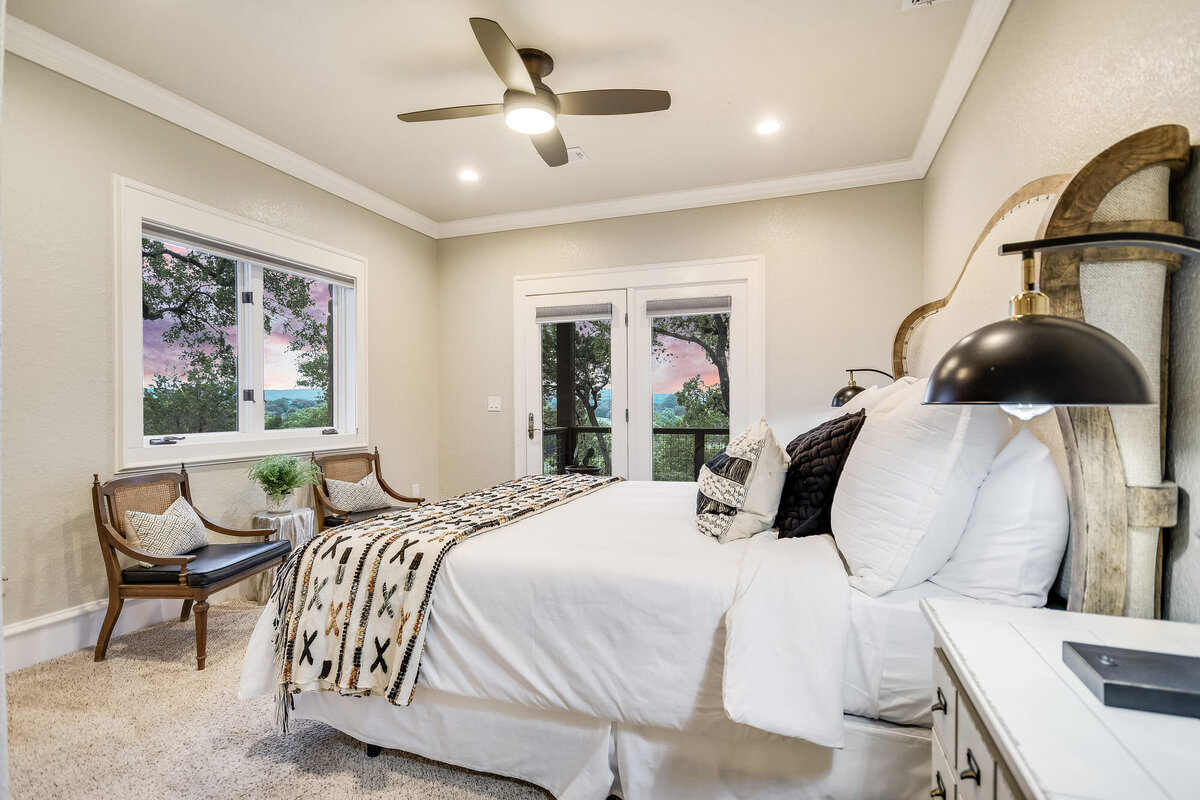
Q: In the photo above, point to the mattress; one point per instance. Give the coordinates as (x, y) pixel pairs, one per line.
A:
(613, 606)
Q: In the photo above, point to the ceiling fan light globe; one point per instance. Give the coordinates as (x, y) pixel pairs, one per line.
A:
(529, 119)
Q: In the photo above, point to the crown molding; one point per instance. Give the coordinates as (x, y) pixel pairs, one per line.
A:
(980, 29)
(47, 50)
(809, 183)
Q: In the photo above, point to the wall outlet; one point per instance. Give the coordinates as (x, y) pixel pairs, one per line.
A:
(416, 490)
(493, 403)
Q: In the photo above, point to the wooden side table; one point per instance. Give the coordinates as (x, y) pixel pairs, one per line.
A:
(296, 525)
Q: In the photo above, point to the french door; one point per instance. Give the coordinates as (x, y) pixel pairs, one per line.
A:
(644, 380)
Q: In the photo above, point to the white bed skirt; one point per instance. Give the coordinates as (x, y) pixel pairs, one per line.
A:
(577, 757)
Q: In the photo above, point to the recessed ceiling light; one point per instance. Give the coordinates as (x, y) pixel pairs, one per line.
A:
(769, 126)
(468, 175)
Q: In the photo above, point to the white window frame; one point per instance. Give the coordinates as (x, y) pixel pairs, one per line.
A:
(135, 205)
(682, 279)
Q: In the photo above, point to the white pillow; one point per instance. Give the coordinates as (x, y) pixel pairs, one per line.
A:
(1017, 532)
(908, 486)
(176, 531)
(363, 495)
(740, 488)
(871, 397)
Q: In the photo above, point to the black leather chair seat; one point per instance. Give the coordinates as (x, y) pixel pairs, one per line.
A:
(214, 563)
(334, 520)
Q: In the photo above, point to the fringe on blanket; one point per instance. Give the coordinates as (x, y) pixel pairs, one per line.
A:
(282, 594)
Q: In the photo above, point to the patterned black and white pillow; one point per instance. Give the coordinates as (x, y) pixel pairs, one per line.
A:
(176, 531)
(740, 487)
(364, 495)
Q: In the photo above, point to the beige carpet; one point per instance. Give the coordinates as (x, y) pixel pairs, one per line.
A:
(145, 723)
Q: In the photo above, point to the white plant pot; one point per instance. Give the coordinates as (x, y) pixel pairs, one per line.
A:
(284, 503)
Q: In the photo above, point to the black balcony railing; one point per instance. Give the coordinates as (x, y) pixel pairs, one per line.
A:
(566, 440)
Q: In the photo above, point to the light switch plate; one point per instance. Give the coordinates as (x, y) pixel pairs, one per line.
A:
(493, 403)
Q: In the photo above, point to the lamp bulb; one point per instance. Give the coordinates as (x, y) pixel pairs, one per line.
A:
(1024, 411)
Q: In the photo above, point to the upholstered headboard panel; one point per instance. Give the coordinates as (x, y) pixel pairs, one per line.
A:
(1113, 562)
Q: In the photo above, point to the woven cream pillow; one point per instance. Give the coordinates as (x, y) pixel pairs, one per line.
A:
(365, 495)
(176, 531)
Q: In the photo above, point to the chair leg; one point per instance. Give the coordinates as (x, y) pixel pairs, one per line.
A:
(110, 620)
(201, 609)
(187, 610)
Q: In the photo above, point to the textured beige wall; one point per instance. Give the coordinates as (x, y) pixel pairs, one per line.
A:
(62, 144)
(842, 270)
(1063, 80)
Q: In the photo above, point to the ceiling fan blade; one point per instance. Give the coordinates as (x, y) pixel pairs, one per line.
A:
(453, 112)
(501, 54)
(551, 147)
(614, 101)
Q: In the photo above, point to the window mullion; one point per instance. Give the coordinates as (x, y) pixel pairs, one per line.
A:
(252, 352)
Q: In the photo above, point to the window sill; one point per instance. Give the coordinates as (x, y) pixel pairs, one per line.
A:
(149, 458)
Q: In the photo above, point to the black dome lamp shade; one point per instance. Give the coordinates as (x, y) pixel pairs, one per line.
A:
(851, 390)
(1033, 360)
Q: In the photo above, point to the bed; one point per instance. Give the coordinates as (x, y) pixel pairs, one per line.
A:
(555, 655)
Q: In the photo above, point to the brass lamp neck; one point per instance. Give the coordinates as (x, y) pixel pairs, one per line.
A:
(1031, 300)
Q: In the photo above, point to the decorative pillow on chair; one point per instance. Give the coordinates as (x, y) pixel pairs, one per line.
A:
(365, 495)
(816, 460)
(908, 486)
(176, 531)
(740, 487)
(1017, 531)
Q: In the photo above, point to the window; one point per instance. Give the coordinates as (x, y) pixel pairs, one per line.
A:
(236, 340)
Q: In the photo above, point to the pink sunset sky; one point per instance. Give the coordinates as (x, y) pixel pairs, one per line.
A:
(688, 362)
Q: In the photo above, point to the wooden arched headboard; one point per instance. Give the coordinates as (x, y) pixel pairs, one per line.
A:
(1111, 460)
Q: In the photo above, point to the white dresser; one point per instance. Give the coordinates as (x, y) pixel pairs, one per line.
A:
(1012, 721)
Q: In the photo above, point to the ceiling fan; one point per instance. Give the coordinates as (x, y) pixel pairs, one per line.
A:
(529, 106)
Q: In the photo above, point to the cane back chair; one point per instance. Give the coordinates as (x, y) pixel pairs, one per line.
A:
(191, 577)
(350, 467)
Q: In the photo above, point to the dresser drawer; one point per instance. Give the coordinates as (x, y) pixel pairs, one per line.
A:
(942, 775)
(944, 702)
(975, 764)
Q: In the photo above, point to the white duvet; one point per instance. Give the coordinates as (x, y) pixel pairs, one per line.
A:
(613, 605)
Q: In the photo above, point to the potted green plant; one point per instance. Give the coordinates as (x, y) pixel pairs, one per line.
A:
(585, 462)
(281, 476)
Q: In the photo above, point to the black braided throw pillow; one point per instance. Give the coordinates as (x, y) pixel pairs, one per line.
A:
(816, 464)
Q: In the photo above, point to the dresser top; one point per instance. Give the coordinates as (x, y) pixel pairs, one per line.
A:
(1058, 740)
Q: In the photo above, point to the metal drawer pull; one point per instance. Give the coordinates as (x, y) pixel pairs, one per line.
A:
(940, 705)
(972, 771)
(940, 791)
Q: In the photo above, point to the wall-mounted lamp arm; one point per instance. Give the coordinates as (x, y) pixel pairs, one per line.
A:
(869, 369)
(1184, 245)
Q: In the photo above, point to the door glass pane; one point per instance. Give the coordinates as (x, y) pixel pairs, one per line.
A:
(189, 340)
(577, 397)
(297, 351)
(689, 377)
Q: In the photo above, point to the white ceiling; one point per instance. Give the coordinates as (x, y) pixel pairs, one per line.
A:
(852, 80)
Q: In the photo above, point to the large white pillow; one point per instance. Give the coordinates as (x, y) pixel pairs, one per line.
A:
(1017, 531)
(740, 487)
(908, 486)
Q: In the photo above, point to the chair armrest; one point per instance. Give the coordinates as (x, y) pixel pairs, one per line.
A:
(325, 505)
(214, 527)
(116, 540)
(402, 498)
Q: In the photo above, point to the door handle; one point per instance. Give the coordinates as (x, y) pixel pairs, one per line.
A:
(531, 428)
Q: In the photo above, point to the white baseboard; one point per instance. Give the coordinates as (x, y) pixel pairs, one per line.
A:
(33, 641)
(51, 635)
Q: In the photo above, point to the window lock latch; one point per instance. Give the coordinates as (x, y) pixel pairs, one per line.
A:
(248, 395)
(329, 432)
(167, 440)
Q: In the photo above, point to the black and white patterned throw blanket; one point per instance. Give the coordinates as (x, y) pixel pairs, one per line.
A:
(351, 604)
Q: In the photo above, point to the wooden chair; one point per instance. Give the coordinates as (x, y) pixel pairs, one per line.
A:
(191, 577)
(350, 467)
